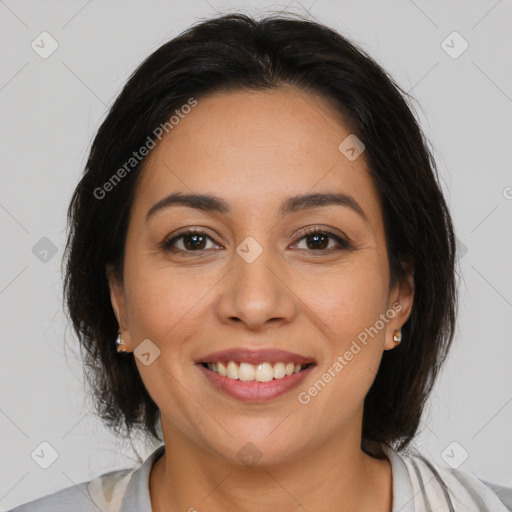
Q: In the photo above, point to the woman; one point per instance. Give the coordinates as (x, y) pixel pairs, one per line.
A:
(261, 265)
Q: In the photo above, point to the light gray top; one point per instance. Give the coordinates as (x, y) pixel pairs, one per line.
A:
(417, 487)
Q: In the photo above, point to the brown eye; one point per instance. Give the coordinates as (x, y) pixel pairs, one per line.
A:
(320, 241)
(317, 241)
(189, 241)
(193, 242)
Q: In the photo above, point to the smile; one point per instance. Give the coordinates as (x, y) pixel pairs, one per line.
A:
(253, 375)
(246, 372)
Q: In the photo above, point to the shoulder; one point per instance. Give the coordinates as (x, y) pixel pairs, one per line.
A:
(503, 493)
(438, 486)
(104, 493)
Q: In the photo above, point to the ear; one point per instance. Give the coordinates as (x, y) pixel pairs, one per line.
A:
(118, 301)
(400, 300)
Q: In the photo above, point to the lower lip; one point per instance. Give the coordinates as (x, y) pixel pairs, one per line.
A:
(254, 391)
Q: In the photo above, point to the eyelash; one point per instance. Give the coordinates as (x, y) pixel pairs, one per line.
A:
(168, 245)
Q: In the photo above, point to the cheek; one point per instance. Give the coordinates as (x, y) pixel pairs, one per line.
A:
(166, 305)
(346, 299)
(165, 302)
(349, 301)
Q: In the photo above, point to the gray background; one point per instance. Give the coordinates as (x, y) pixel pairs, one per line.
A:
(50, 110)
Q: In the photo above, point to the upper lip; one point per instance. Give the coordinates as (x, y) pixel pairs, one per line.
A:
(253, 356)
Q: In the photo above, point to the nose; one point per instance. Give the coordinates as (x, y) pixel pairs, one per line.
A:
(256, 294)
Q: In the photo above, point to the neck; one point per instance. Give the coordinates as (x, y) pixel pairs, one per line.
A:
(335, 476)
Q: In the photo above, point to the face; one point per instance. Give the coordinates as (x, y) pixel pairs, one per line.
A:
(256, 278)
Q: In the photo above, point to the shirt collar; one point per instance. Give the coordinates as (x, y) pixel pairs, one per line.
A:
(136, 498)
(403, 498)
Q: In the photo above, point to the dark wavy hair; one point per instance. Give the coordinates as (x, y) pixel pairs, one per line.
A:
(238, 52)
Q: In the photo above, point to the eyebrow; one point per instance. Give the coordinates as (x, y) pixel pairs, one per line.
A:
(210, 203)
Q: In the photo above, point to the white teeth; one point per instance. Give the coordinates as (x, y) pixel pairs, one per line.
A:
(263, 372)
(279, 371)
(232, 370)
(289, 368)
(246, 372)
(221, 369)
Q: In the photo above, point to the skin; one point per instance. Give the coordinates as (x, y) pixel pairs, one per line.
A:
(255, 149)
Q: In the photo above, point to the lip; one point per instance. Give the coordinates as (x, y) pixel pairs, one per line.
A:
(252, 356)
(254, 391)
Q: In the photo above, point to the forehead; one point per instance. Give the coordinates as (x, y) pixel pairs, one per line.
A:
(254, 149)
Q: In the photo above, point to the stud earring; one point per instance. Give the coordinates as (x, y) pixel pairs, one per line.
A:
(120, 343)
(397, 336)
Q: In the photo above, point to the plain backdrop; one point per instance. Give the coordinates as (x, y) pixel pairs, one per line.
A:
(50, 110)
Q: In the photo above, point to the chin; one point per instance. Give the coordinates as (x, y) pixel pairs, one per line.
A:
(250, 448)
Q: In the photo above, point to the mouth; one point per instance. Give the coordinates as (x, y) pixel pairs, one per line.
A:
(257, 376)
(263, 372)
